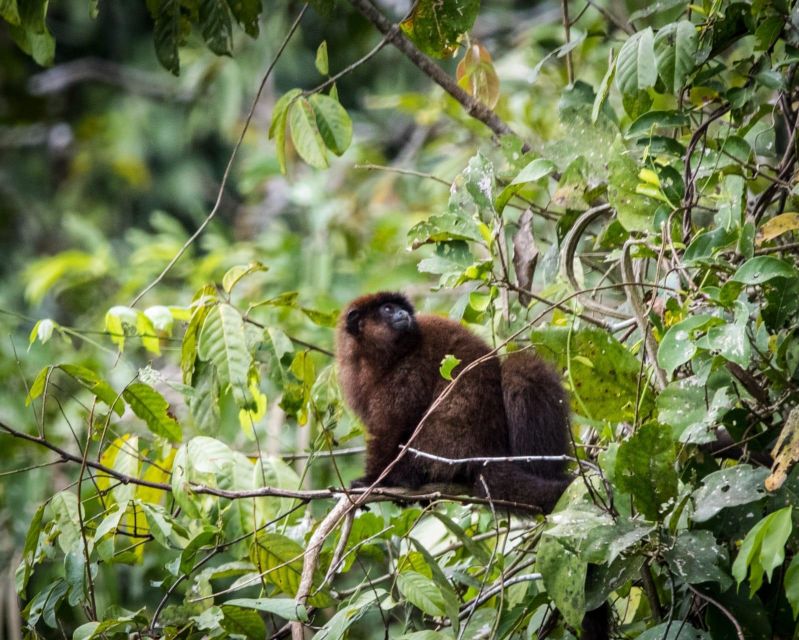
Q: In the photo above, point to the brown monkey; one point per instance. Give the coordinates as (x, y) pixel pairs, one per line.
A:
(389, 360)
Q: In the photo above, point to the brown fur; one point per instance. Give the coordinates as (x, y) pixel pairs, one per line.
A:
(390, 376)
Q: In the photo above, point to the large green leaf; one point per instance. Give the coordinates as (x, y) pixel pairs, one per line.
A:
(635, 211)
(675, 51)
(150, 406)
(65, 507)
(645, 470)
(279, 559)
(222, 342)
(305, 134)
(246, 13)
(603, 373)
(215, 25)
(564, 578)
(738, 485)
(677, 347)
(636, 68)
(333, 122)
(166, 34)
(696, 558)
(421, 592)
(286, 608)
(762, 269)
(763, 549)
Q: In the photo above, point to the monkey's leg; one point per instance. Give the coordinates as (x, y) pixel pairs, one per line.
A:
(505, 481)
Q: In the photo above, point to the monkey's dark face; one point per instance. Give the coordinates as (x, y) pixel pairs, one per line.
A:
(380, 323)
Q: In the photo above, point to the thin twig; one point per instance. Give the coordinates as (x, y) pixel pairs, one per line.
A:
(229, 166)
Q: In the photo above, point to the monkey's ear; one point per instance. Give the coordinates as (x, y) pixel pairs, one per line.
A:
(353, 322)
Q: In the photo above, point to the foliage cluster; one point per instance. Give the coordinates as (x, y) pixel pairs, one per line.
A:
(633, 217)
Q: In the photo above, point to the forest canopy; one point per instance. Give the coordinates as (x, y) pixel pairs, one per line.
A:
(191, 191)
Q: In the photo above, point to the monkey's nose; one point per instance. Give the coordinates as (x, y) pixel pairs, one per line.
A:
(401, 320)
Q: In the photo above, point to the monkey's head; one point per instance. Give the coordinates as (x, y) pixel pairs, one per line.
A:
(379, 326)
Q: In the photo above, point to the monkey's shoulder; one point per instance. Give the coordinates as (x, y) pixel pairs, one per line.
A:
(442, 336)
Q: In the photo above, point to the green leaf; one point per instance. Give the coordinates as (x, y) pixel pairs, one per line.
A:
(243, 622)
(9, 11)
(215, 25)
(29, 559)
(188, 349)
(246, 13)
(281, 560)
(286, 608)
(321, 59)
(763, 549)
(436, 26)
(277, 128)
(645, 470)
(604, 372)
(536, 170)
(636, 68)
(305, 133)
(222, 343)
(762, 269)
(645, 124)
(736, 486)
(235, 274)
(603, 91)
(150, 406)
(336, 628)
(448, 363)
(65, 507)
(674, 630)
(43, 330)
(105, 534)
(564, 578)
(86, 378)
(166, 34)
(636, 212)
(333, 123)
(675, 51)
(677, 346)
(696, 558)
(421, 592)
(792, 585)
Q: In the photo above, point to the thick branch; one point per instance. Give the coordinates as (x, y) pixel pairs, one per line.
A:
(473, 107)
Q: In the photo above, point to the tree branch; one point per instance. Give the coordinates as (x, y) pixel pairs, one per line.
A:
(473, 107)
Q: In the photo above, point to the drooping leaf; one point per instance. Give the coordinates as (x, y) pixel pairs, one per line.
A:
(636, 67)
(305, 133)
(246, 13)
(222, 343)
(675, 52)
(763, 549)
(150, 406)
(166, 34)
(645, 469)
(476, 75)
(421, 592)
(564, 578)
(333, 123)
(215, 25)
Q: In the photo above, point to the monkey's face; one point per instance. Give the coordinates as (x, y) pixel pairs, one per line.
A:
(382, 324)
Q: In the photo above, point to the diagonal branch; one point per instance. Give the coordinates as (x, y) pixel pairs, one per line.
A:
(473, 107)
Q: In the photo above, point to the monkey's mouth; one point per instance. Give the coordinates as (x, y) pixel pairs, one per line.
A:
(401, 320)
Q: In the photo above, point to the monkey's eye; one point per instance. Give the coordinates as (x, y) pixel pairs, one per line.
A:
(352, 317)
(387, 309)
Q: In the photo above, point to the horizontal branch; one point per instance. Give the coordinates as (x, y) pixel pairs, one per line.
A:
(427, 493)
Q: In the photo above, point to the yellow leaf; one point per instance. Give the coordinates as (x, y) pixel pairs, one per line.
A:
(778, 225)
